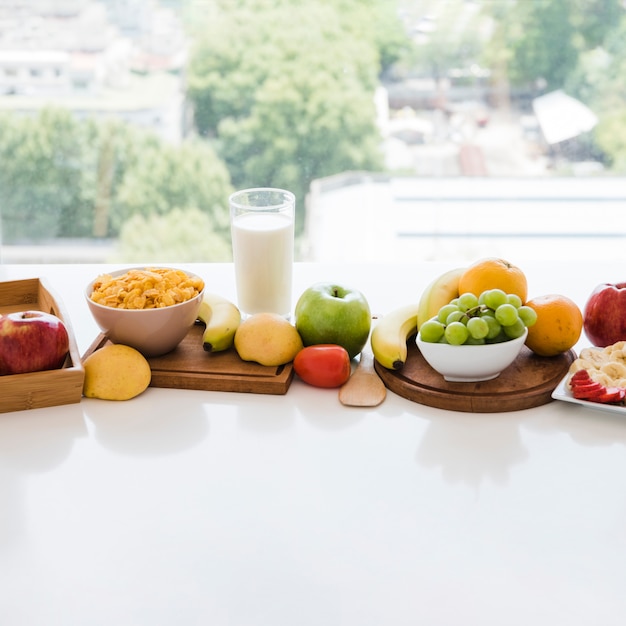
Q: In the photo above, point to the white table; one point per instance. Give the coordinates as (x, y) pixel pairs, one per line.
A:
(204, 508)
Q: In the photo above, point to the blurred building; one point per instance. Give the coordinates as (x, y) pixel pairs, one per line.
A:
(362, 216)
(116, 59)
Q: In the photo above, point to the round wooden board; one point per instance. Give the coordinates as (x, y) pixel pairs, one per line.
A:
(528, 382)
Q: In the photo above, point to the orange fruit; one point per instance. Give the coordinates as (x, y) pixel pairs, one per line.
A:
(494, 273)
(558, 326)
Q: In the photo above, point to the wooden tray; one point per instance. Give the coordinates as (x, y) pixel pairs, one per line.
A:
(39, 389)
(528, 382)
(189, 366)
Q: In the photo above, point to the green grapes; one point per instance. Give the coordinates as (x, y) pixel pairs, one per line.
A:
(514, 299)
(527, 314)
(477, 327)
(493, 298)
(515, 330)
(445, 310)
(467, 301)
(456, 333)
(491, 317)
(432, 330)
(455, 316)
(494, 325)
(506, 314)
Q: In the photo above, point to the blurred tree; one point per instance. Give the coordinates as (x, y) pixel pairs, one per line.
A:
(598, 81)
(189, 176)
(543, 41)
(179, 236)
(300, 129)
(596, 18)
(61, 177)
(43, 190)
(286, 88)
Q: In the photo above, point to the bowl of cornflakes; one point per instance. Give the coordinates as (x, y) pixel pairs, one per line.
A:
(148, 308)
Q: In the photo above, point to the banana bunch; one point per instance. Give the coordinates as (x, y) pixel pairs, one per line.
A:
(391, 333)
(221, 318)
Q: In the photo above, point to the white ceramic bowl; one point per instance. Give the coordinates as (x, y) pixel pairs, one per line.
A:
(151, 331)
(470, 363)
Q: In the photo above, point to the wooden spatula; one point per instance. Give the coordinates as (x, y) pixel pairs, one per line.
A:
(364, 387)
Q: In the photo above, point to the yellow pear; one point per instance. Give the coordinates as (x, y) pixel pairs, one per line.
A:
(116, 372)
(268, 339)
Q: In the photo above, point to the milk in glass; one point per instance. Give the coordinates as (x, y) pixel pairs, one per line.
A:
(262, 231)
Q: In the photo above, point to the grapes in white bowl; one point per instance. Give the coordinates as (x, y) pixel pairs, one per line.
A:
(492, 317)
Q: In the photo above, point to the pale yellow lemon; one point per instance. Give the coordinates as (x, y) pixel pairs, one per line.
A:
(268, 339)
(116, 372)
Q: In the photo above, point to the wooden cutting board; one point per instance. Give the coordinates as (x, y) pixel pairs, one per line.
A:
(190, 367)
(526, 383)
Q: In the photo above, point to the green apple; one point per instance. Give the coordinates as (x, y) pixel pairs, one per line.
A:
(330, 313)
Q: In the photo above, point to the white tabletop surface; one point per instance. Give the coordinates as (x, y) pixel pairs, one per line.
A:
(197, 508)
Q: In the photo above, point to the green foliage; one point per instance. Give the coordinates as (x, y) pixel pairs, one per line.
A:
(43, 192)
(610, 136)
(243, 47)
(286, 89)
(298, 131)
(544, 40)
(61, 177)
(179, 236)
(596, 19)
(189, 176)
(598, 81)
(541, 37)
(575, 45)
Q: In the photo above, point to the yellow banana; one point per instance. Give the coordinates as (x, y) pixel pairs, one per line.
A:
(390, 335)
(221, 318)
(439, 293)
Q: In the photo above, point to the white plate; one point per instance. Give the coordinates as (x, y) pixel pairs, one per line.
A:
(563, 393)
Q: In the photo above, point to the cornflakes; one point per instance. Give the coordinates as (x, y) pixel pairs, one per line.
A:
(149, 288)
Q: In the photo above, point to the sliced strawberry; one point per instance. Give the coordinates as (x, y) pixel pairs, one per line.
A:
(581, 384)
(580, 375)
(585, 388)
(588, 391)
(611, 395)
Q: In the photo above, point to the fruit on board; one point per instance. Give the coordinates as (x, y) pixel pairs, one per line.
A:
(390, 336)
(32, 341)
(583, 387)
(494, 273)
(492, 317)
(438, 293)
(558, 327)
(323, 365)
(268, 339)
(221, 318)
(335, 314)
(605, 314)
(116, 372)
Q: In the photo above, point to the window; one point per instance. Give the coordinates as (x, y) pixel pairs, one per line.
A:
(415, 129)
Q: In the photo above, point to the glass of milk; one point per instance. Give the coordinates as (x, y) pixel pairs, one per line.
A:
(262, 231)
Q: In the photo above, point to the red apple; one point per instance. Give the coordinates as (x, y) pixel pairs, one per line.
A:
(32, 341)
(605, 314)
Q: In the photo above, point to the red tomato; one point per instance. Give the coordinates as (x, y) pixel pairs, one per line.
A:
(323, 365)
